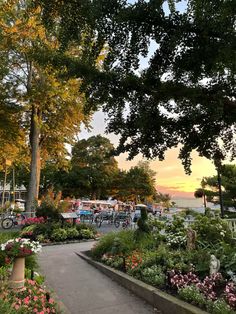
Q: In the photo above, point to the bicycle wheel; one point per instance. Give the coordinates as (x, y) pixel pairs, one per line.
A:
(117, 223)
(7, 223)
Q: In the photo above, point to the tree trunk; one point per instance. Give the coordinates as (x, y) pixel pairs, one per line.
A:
(35, 166)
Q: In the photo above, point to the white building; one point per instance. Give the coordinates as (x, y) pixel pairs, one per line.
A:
(20, 193)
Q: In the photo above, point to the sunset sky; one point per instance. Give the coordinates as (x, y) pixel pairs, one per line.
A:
(170, 175)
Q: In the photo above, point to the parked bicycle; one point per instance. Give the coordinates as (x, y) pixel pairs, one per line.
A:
(9, 219)
(123, 219)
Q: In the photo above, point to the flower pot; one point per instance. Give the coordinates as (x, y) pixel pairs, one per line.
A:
(17, 278)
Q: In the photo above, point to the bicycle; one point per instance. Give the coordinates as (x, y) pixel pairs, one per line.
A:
(10, 219)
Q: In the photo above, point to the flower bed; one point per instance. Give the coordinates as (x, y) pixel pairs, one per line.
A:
(161, 258)
(31, 299)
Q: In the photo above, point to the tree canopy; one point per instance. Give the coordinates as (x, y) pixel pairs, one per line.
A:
(42, 107)
(186, 93)
(210, 186)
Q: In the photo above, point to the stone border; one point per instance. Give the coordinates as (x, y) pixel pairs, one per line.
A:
(69, 242)
(163, 301)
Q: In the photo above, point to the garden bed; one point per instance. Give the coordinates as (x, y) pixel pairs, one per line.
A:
(176, 260)
(162, 301)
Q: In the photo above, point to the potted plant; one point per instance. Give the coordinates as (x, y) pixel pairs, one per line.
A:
(17, 249)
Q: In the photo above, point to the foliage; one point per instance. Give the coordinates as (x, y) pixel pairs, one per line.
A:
(20, 247)
(86, 234)
(168, 102)
(114, 243)
(49, 208)
(45, 99)
(33, 221)
(192, 294)
(6, 307)
(153, 275)
(228, 175)
(211, 230)
(218, 307)
(31, 298)
(73, 233)
(142, 222)
(93, 167)
(59, 234)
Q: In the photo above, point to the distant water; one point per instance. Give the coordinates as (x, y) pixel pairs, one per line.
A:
(187, 202)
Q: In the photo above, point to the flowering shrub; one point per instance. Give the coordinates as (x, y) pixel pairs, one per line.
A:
(32, 299)
(212, 286)
(33, 221)
(20, 247)
(192, 294)
(153, 275)
(176, 240)
(115, 261)
(230, 294)
(179, 280)
(133, 261)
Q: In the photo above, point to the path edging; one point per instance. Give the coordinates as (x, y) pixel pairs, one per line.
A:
(163, 301)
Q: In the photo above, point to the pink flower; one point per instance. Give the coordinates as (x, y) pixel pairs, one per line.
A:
(51, 301)
(35, 298)
(17, 306)
(26, 300)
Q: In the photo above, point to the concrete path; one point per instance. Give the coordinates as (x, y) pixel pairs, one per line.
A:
(82, 288)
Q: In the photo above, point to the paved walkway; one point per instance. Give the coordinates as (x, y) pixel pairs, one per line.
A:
(82, 288)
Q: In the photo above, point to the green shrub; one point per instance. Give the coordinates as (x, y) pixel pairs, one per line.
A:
(106, 243)
(72, 233)
(48, 209)
(41, 238)
(37, 277)
(5, 236)
(153, 275)
(6, 307)
(86, 226)
(86, 234)
(59, 234)
(31, 262)
(218, 307)
(4, 273)
(211, 230)
(192, 294)
(142, 222)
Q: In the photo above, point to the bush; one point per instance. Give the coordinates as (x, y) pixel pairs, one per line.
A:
(86, 234)
(218, 307)
(106, 243)
(192, 294)
(153, 275)
(211, 231)
(72, 233)
(6, 307)
(48, 209)
(59, 234)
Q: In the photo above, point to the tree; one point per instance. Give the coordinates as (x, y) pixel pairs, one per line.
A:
(50, 105)
(186, 94)
(137, 184)
(228, 176)
(93, 166)
(164, 199)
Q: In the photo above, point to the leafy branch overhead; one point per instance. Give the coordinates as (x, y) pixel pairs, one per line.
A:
(184, 95)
